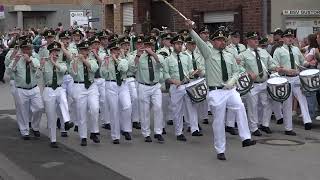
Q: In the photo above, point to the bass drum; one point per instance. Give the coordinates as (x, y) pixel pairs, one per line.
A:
(279, 88)
(310, 79)
(244, 84)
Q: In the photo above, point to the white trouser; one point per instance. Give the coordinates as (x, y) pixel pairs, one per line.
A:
(118, 98)
(55, 102)
(231, 115)
(100, 82)
(132, 85)
(146, 96)
(29, 101)
(219, 101)
(68, 86)
(13, 93)
(87, 104)
(259, 96)
(181, 100)
(287, 105)
(166, 108)
(202, 109)
(277, 109)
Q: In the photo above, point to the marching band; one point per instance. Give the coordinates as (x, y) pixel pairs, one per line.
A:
(118, 82)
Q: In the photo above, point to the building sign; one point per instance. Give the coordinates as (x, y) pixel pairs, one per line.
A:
(2, 12)
(301, 12)
(79, 18)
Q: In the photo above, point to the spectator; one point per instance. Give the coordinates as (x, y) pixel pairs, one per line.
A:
(310, 56)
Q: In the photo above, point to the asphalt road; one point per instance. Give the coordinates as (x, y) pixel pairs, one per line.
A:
(275, 157)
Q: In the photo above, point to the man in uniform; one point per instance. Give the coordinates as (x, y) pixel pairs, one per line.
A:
(221, 75)
(166, 51)
(177, 73)
(99, 56)
(24, 68)
(86, 93)
(124, 43)
(197, 65)
(54, 96)
(236, 47)
(114, 71)
(49, 36)
(76, 39)
(290, 59)
(147, 66)
(103, 53)
(257, 62)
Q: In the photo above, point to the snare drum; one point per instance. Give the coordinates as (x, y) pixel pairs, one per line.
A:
(310, 79)
(244, 84)
(279, 88)
(197, 90)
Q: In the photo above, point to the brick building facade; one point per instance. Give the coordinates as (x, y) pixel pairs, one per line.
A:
(242, 15)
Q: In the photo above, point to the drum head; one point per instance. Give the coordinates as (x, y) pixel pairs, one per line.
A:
(277, 80)
(309, 72)
(195, 82)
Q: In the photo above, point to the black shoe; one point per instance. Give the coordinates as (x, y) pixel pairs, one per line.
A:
(94, 138)
(75, 129)
(3, 81)
(116, 141)
(205, 121)
(106, 126)
(54, 145)
(159, 137)
(231, 130)
(36, 133)
(147, 139)
(248, 142)
(83, 142)
(64, 134)
(197, 133)
(181, 137)
(188, 129)
(164, 131)
(136, 125)
(26, 137)
(58, 123)
(257, 133)
(221, 157)
(126, 135)
(308, 126)
(280, 121)
(290, 133)
(68, 125)
(170, 122)
(210, 113)
(265, 129)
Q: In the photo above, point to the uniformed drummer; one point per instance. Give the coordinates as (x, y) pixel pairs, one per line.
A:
(178, 72)
(24, 68)
(235, 46)
(221, 75)
(77, 36)
(54, 96)
(258, 62)
(86, 93)
(291, 59)
(147, 66)
(197, 65)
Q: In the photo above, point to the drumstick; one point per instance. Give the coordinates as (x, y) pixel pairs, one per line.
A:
(176, 10)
